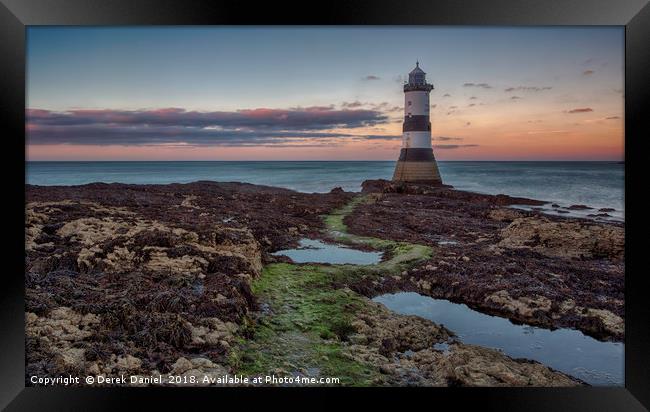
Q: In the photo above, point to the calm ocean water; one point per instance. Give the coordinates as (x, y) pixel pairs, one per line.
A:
(596, 184)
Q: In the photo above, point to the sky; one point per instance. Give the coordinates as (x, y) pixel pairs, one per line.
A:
(322, 93)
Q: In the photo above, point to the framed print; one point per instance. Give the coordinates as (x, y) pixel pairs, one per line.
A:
(252, 202)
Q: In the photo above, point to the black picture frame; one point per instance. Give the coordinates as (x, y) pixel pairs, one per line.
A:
(15, 15)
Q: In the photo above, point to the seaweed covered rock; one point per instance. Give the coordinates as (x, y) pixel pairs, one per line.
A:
(130, 278)
(404, 349)
(564, 239)
(505, 261)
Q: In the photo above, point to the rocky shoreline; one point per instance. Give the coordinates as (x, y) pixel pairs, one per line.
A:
(523, 265)
(179, 279)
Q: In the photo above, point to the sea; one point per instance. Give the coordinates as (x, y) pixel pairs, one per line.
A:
(597, 185)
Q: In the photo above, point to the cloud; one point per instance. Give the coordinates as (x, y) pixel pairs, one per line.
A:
(103, 136)
(588, 72)
(446, 138)
(382, 137)
(371, 77)
(173, 125)
(453, 146)
(397, 137)
(482, 85)
(581, 110)
(515, 98)
(527, 89)
(471, 105)
(593, 62)
(612, 117)
(297, 118)
(382, 106)
(473, 98)
(351, 105)
(446, 95)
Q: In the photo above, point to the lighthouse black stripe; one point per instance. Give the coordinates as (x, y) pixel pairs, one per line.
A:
(416, 155)
(418, 123)
(418, 87)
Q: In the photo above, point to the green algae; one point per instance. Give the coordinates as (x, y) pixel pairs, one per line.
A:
(307, 321)
(402, 254)
(308, 312)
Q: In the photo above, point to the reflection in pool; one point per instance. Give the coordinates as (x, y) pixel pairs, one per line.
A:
(566, 350)
(315, 251)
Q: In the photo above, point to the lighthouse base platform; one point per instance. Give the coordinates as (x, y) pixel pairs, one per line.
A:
(417, 165)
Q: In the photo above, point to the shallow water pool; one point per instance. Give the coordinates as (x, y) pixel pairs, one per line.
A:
(315, 251)
(566, 350)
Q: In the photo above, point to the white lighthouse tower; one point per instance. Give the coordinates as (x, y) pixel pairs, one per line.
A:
(416, 161)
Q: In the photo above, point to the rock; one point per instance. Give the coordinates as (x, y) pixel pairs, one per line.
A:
(358, 339)
(385, 186)
(424, 285)
(564, 239)
(145, 269)
(198, 368)
(586, 256)
(524, 306)
(390, 336)
(471, 365)
(579, 207)
(189, 202)
(93, 369)
(214, 332)
(128, 362)
(505, 215)
(63, 324)
(202, 363)
(612, 322)
(567, 305)
(69, 359)
(181, 365)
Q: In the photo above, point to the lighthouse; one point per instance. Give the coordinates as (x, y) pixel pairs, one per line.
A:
(416, 162)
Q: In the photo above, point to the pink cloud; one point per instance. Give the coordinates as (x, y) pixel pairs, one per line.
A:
(581, 110)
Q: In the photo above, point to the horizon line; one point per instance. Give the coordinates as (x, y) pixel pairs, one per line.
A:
(324, 160)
